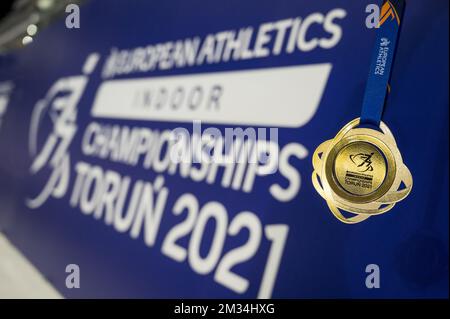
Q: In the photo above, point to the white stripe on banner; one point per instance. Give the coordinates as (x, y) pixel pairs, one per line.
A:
(277, 97)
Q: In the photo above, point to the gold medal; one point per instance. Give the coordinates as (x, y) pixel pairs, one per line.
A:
(360, 171)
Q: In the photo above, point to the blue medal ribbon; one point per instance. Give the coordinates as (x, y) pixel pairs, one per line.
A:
(381, 66)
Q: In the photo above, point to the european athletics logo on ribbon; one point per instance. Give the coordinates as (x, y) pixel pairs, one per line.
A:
(388, 10)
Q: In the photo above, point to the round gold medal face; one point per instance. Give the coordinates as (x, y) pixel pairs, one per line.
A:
(360, 168)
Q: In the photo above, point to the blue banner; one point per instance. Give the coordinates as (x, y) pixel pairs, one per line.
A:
(86, 177)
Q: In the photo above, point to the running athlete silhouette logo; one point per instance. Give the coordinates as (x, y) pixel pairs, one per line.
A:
(60, 105)
(363, 161)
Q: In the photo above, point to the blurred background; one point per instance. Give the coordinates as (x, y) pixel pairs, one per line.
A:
(20, 20)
